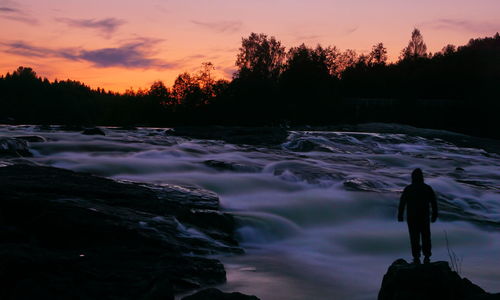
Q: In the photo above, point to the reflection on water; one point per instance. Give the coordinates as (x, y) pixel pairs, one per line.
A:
(318, 216)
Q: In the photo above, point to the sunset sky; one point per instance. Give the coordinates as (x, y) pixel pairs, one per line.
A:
(118, 44)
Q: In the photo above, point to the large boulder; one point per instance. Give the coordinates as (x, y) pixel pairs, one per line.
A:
(68, 235)
(215, 294)
(432, 281)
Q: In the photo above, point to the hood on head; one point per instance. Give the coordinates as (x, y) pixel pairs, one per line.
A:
(417, 176)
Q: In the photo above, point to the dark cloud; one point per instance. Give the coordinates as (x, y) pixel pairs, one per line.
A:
(351, 30)
(307, 37)
(22, 19)
(10, 10)
(223, 50)
(463, 25)
(132, 55)
(191, 61)
(190, 58)
(105, 26)
(220, 26)
(25, 49)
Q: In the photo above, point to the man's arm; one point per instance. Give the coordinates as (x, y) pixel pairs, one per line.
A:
(402, 204)
(434, 207)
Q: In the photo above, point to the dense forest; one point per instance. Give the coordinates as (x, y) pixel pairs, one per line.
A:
(457, 88)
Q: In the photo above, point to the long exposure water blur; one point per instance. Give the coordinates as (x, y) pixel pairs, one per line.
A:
(317, 213)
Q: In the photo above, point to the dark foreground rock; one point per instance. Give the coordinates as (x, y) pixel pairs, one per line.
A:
(434, 281)
(215, 294)
(268, 136)
(67, 235)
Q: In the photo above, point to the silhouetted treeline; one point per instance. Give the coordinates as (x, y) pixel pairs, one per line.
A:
(456, 89)
(26, 98)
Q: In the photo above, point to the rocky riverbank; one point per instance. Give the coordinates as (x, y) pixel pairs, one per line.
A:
(433, 281)
(68, 235)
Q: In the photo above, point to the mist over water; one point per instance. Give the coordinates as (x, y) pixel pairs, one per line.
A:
(317, 214)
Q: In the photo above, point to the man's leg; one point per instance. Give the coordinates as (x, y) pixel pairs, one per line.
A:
(414, 231)
(426, 239)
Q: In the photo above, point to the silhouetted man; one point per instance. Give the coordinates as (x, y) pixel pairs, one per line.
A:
(418, 196)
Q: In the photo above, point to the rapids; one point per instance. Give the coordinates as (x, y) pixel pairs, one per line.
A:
(318, 213)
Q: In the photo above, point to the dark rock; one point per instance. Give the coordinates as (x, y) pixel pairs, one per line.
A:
(68, 127)
(433, 281)
(363, 185)
(219, 165)
(306, 172)
(67, 235)
(44, 127)
(268, 136)
(197, 208)
(32, 138)
(303, 145)
(458, 169)
(230, 166)
(215, 224)
(13, 147)
(93, 131)
(215, 294)
(161, 290)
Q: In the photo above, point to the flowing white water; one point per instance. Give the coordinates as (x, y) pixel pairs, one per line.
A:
(317, 213)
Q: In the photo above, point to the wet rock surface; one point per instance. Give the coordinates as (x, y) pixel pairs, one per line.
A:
(268, 136)
(14, 147)
(230, 166)
(433, 281)
(299, 171)
(303, 145)
(67, 235)
(31, 138)
(215, 294)
(363, 185)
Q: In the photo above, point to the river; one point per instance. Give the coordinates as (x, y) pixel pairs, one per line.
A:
(318, 212)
